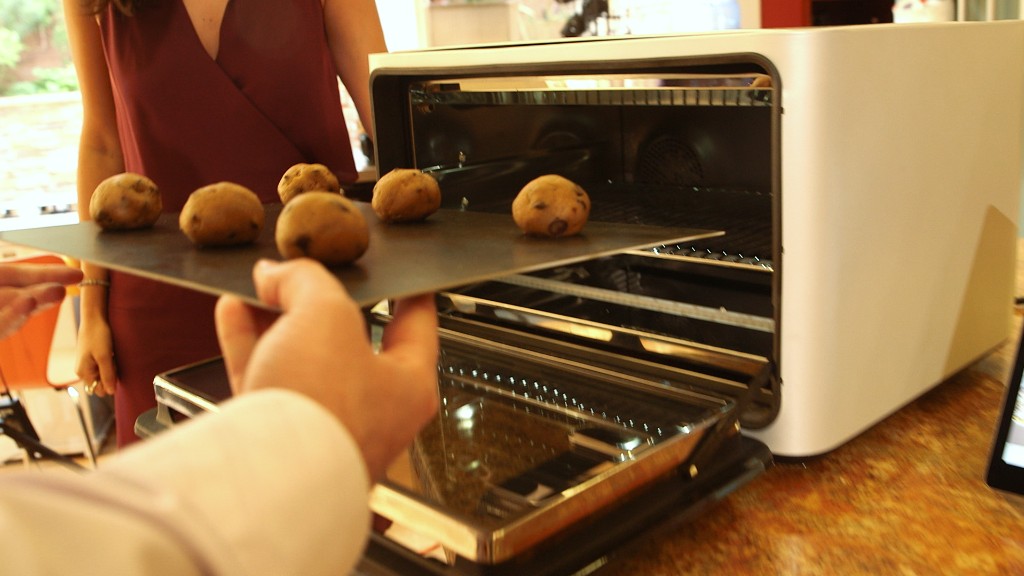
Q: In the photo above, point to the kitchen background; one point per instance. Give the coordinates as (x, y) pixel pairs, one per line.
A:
(40, 108)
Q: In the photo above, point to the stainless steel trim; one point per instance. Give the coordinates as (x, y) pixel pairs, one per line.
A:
(181, 399)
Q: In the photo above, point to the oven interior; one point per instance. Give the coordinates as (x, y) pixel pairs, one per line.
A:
(688, 142)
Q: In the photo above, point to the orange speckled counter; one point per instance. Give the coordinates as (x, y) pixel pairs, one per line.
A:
(907, 497)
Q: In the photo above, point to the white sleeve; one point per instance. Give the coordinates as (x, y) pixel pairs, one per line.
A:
(273, 484)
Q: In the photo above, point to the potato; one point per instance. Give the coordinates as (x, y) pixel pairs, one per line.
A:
(126, 201)
(324, 226)
(405, 195)
(222, 214)
(305, 178)
(551, 205)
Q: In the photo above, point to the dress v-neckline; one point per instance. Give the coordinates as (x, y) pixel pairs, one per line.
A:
(215, 57)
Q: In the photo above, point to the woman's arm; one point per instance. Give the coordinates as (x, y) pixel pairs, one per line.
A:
(99, 156)
(354, 32)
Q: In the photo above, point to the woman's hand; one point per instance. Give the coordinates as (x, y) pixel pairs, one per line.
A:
(95, 362)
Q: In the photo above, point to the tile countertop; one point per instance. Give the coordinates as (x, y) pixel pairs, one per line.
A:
(906, 497)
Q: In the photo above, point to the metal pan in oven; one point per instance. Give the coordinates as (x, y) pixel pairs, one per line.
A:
(527, 445)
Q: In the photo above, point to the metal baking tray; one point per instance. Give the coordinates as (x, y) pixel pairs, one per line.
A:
(451, 248)
(527, 445)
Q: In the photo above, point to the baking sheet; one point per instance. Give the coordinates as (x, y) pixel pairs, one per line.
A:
(449, 249)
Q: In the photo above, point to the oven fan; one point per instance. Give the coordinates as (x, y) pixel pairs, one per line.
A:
(669, 161)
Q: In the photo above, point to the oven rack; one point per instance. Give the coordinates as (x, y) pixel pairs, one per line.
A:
(742, 214)
(716, 256)
(581, 392)
(710, 359)
(726, 90)
(641, 302)
(674, 96)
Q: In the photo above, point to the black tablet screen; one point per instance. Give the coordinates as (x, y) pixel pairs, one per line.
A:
(1006, 463)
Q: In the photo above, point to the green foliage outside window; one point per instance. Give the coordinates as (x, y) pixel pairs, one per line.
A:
(40, 24)
(10, 48)
(27, 16)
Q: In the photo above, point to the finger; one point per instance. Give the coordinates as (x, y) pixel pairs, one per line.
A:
(89, 372)
(100, 389)
(107, 375)
(14, 314)
(47, 295)
(9, 294)
(22, 275)
(237, 333)
(86, 369)
(20, 303)
(268, 275)
(285, 285)
(35, 297)
(412, 333)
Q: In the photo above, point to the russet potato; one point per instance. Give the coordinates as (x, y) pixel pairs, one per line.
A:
(303, 177)
(323, 226)
(405, 195)
(222, 214)
(551, 205)
(126, 201)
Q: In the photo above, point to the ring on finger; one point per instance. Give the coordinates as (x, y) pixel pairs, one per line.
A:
(91, 387)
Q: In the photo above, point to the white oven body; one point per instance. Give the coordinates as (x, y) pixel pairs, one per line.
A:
(899, 173)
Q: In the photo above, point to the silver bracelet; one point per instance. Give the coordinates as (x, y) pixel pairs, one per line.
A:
(94, 282)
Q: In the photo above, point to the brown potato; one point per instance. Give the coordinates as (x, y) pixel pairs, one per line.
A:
(306, 178)
(551, 205)
(324, 226)
(405, 195)
(126, 201)
(222, 214)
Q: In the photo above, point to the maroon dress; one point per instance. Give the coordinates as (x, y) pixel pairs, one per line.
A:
(269, 100)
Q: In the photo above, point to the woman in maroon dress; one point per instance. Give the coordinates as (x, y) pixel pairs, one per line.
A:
(189, 93)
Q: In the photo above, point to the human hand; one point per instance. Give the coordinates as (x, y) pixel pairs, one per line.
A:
(95, 355)
(319, 347)
(28, 288)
